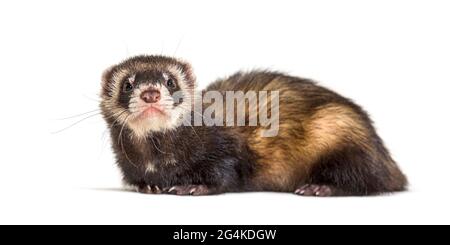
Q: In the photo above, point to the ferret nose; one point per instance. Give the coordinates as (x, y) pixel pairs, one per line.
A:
(151, 96)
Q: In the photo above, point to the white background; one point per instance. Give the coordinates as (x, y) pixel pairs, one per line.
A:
(392, 57)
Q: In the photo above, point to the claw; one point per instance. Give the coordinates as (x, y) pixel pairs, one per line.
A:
(314, 190)
(194, 190)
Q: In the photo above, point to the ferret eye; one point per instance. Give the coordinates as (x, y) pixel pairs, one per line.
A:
(170, 83)
(127, 87)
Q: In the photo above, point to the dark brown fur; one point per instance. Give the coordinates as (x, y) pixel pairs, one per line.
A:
(324, 140)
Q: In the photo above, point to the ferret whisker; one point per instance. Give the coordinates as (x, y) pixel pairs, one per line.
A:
(88, 97)
(162, 48)
(75, 123)
(178, 45)
(120, 140)
(117, 115)
(189, 110)
(114, 122)
(78, 115)
(195, 132)
(190, 125)
(151, 138)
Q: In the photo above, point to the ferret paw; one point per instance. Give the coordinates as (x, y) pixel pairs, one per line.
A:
(148, 189)
(315, 190)
(194, 190)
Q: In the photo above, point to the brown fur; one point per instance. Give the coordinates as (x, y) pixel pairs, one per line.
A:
(313, 122)
(326, 144)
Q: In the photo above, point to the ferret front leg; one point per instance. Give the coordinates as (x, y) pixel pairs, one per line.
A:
(193, 190)
(317, 190)
(148, 189)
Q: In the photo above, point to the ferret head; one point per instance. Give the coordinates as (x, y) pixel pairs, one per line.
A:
(147, 94)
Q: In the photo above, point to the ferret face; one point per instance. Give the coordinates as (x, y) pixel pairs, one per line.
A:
(147, 93)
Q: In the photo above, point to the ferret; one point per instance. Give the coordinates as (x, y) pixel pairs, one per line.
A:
(326, 145)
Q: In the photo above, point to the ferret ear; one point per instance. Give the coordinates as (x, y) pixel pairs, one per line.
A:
(106, 80)
(188, 73)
